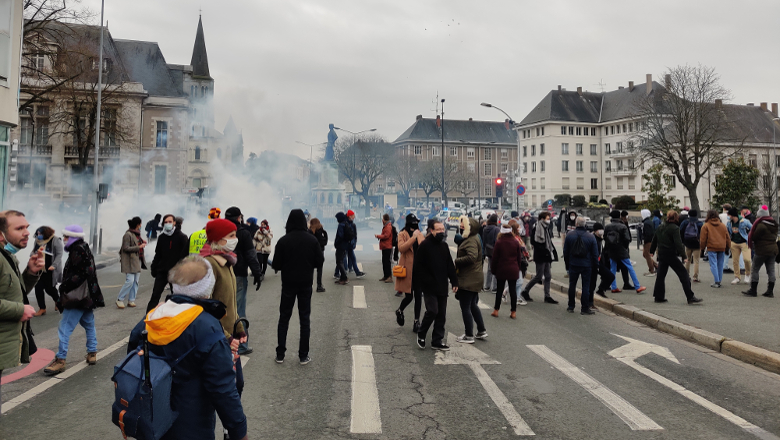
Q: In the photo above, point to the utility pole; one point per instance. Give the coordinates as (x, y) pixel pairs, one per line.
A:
(444, 199)
(93, 224)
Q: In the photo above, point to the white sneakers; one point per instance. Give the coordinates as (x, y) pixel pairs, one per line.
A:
(120, 304)
(747, 279)
(736, 281)
(521, 301)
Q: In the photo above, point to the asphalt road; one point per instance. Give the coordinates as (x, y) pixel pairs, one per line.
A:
(548, 373)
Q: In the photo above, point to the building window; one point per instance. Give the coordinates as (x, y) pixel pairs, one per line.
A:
(630, 127)
(542, 131)
(607, 149)
(607, 165)
(533, 167)
(579, 131)
(488, 169)
(564, 149)
(488, 187)
(488, 154)
(607, 184)
(417, 150)
(525, 150)
(504, 153)
(593, 149)
(435, 151)
(671, 181)
(470, 153)
(594, 166)
(564, 165)
(579, 166)
(624, 128)
(471, 167)
(618, 147)
(612, 129)
(571, 130)
(160, 179)
(563, 130)
(594, 183)
(593, 131)
(541, 183)
(579, 149)
(109, 127)
(505, 167)
(752, 160)
(162, 134)
(580, 183)
(533, 183)
(533, 150)
(541, 149)
(525, 167)
(454, 151)
(537, 131)
(27, 131)
(541, 166)
(565, 183)
(197, 153)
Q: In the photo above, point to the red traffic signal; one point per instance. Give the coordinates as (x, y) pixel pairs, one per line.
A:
(499, 181)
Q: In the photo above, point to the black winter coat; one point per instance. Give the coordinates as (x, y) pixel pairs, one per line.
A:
(618, 251)
(433, 266)
(322, 238)
(297, 254)
(169, 251)
(246, 252)
(80, 267)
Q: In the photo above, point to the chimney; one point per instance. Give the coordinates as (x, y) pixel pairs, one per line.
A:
(506, 124)
(719, 103)
(470, 119)
(774, 109)
(579, 91)
(559, 88)
(620, 87)
(649, 83)
(418, 117)
(750, 104)
(764, 106)
(438, 121)
(668, 81)
(631, 86)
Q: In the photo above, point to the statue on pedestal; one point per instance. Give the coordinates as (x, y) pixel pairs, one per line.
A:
(332, 136)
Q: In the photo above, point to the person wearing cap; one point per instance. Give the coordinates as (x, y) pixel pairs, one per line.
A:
(648, 231)
(739, 228)
(204, 383)
(409, 239)
(668, 242)
(691, 242)
(618, 238)
(198, 238)
(251, 224)
(296, 255)
(602, 268)
(79, 270)
(351, 263)
(581, 252)
(172, 246)
(246, 261)
(763, 241)
(715, 239)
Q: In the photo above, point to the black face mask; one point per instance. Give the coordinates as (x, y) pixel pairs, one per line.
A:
(439, 237)
(461, 231)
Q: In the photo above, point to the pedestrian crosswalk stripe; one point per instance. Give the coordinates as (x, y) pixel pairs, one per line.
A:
(366, 418)
(359, 297)
(360, 267)
(634, 418)
(359, 247)
(376, 247)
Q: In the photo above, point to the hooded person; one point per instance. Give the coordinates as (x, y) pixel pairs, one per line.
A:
(648, 231)
(762, 239)
(468, 262)
(251, 224)
(343, 244)
(187, 327)
(152, 227)
(198, 238)
(172, 246)
(617, 238)
(602, 268)
(489, 237)
(296, 255)
(409, 239)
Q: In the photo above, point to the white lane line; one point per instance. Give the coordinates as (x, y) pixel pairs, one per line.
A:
(634, 418)
(376, 247)
(360, 267)
(365, 417)
(359, 297)
(358, 247)
(483, 306)
(503, 404)
(29, 394)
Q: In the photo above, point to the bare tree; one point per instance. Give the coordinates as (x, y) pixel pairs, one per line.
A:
(362, 160)
(429, 179)
(766, 191)
(465, 182)
(684, 128)
(449, 177)
(406, 172)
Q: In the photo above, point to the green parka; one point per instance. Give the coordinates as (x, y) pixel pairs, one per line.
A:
(469, 258)
(12, 294)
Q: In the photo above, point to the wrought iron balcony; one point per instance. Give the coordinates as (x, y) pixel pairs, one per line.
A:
(37, 150)
(105, 152)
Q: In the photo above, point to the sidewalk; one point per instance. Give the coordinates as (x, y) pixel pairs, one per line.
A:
(106, 259)
(724, 312)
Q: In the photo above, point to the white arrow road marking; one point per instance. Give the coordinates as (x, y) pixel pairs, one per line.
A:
(635, 349)
(376, 247)
(464, 354)
(359, 297)
(365, 395)
(634, 418)
(244, 360)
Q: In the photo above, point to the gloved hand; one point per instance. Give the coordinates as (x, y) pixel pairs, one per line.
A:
(258, 281)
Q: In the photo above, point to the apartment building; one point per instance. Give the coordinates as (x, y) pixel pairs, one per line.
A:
(11, 15)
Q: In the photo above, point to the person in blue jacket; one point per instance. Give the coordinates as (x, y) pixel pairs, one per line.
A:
(581, 258)
(204, 381)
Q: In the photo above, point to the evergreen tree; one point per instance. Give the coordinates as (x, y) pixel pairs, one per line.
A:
(737, 184)
(657, 186)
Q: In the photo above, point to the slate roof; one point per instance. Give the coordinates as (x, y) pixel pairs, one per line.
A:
(425, 130)
(749, 123)
(200, 61)
(146, 64)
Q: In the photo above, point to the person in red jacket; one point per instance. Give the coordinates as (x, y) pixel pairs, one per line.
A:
(505, 266)
(386, 246)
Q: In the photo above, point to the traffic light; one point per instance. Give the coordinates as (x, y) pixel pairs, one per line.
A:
(499, 183)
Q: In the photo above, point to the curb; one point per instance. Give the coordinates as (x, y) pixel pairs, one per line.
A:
(760, 357)
(107, 262)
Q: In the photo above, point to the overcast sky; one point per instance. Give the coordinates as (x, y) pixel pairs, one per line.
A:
(285, 69)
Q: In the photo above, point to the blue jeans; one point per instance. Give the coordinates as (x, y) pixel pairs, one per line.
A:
(626, 262)
(130, 286)
(574, 274)
(352, 261)
(717, 259)
(241, 285)
(70, 319)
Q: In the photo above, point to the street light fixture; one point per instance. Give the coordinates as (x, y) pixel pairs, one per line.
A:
(519, 204)
(774, 166)
(352, 132)
(444, 199)
(311, 149)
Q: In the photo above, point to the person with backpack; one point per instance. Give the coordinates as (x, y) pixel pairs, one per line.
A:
(648, 231)
(489, 236)
(690, 229)
(581, 252)
(505, 266)
(763, 241)
(544, 254)
(739, 228)
(386, 246)
(668, 243)
(714, 240)
(602, 268)
(617, 238)
(186, 327)
(342, 244)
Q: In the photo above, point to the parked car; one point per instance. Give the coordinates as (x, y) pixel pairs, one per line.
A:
(453, 219)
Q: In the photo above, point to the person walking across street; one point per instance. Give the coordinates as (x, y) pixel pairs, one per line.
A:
(315, 227)
(617, 238)
(581, 251)
(153, 227)
(690, 230)
(262, 241)
(468, 263)
(52, 272)
(668, 243)
(297, 254)
(343, 244)
(489, 236)
(433, 267)
(544, 255)
(409, 239)
(525, 257)
(762, 240)
(351, 263)
(79, 273)
(386, 246)
(171, 247)
(739, 228)
(15, 312)
(648, 231)
(505, 266)
(602, 268)
(131, 261)
(715, 239)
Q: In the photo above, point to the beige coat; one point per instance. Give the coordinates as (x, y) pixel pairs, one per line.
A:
(406, 259)
(129, 254)
(225, 292)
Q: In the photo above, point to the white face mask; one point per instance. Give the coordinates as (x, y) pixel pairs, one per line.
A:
(231, 244)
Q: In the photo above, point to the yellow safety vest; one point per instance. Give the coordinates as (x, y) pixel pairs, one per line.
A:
(197, 241)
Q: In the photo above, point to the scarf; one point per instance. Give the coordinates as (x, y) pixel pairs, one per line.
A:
(39, 243)
(758, 220)
(541, 236)
(229, 256)
(140, 240)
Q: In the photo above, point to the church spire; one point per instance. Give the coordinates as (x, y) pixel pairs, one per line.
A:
(200, 61)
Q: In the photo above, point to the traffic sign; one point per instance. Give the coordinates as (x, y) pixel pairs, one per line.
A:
(520, 190)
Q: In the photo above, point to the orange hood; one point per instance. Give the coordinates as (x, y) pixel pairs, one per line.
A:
(168, 321)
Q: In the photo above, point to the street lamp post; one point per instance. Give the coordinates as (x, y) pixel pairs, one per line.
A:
(519, 204)
(352, 132)
(444, 199)
(774, 168)
(93, 224)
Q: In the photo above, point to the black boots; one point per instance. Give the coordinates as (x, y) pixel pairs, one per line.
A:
(769, 291)
(753, 291)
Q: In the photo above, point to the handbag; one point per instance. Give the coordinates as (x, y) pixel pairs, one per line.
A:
(75, 297)
(399, 271)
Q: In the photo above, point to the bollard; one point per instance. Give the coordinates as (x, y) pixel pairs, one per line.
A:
(100, 241)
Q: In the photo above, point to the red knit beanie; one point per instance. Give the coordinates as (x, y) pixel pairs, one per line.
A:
(218, 229)
(350, 213)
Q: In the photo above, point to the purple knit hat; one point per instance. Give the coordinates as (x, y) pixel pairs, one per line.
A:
(73, 233)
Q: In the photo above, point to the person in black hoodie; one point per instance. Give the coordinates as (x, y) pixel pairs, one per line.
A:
(315, 227)
(343, 244)
(297, 254)
(602, 268)
(433, 266)
(247, 260)
(172, 247)
(489, 237)
(152, 226)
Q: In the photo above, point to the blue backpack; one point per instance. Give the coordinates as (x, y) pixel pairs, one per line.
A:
(142, 391)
